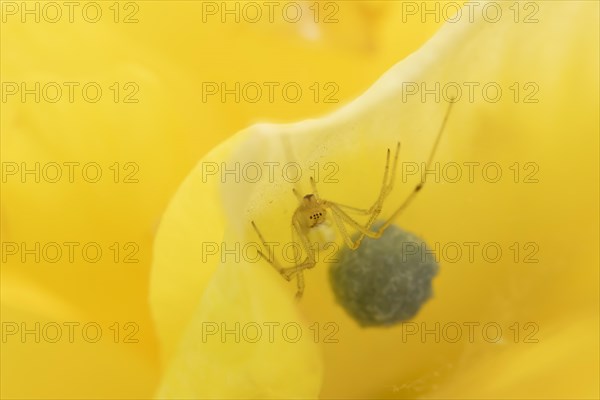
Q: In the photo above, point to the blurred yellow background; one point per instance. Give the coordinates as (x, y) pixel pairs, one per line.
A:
(155, 63)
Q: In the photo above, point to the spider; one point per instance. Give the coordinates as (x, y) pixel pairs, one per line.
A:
(313, 211)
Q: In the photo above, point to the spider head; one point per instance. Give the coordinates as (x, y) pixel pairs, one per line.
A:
(314, 211)
(316, 216)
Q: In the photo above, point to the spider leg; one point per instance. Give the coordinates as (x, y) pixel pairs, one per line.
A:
(289, 272)
(313, 185)
(270, 258)
(309, 261)
(420, 185)
(356, 210)
(386, 187)
(340, 216)
(399, 210)
(297, 194)
(300, 282)
(342, 229)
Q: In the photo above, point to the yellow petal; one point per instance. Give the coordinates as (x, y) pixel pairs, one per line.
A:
(66, 352)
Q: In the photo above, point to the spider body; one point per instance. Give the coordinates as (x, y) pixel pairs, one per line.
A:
(313, 211)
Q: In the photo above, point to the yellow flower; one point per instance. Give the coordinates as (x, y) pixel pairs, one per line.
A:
(521, 323)
(168, 55)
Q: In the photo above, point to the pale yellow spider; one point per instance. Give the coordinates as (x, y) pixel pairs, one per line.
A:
(314, 211)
